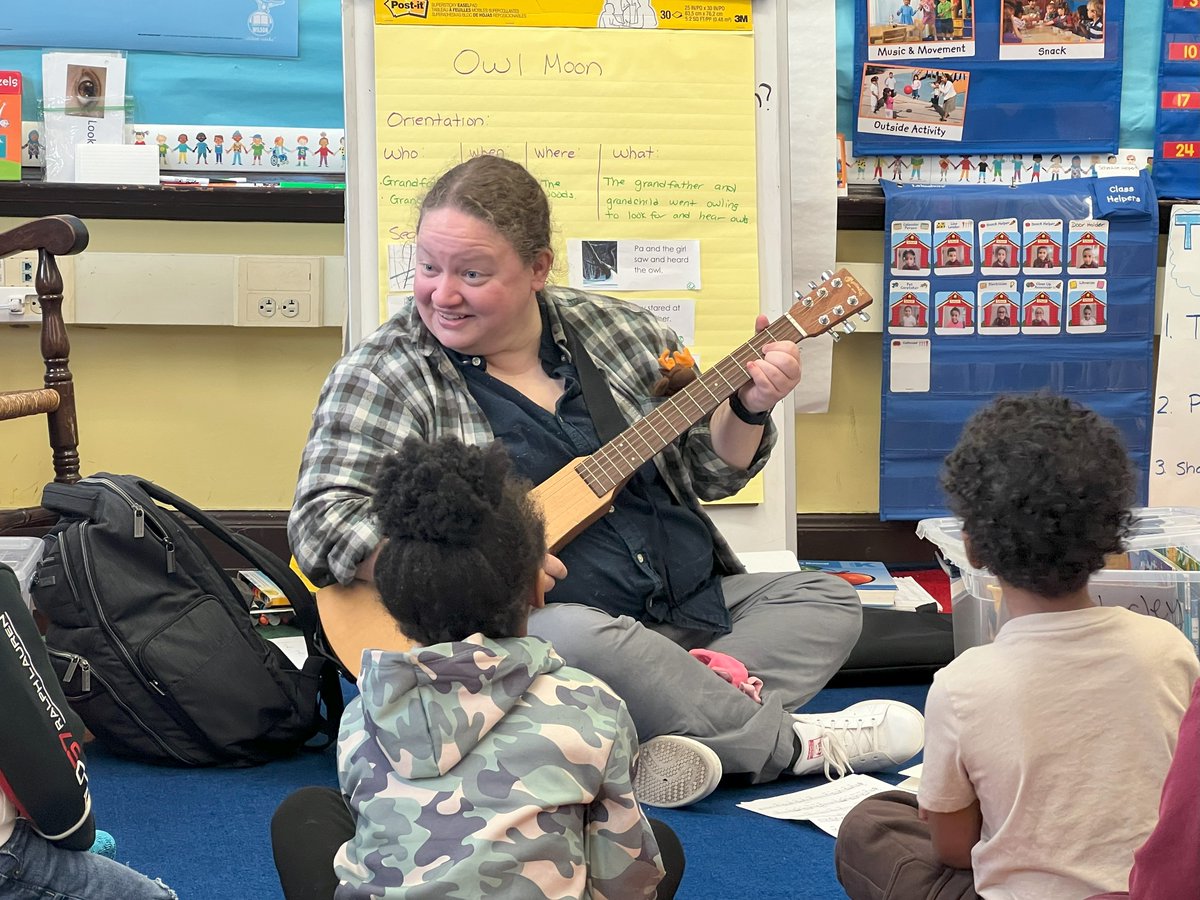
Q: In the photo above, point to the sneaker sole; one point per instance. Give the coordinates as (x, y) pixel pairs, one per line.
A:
(675, 771)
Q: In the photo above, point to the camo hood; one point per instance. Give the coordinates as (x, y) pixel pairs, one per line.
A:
(430, 707)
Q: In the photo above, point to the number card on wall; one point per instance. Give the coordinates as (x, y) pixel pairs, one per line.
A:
(941, 76)
(1177, 134)
(1045, 293)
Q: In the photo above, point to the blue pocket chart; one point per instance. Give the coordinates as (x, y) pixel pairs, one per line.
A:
(946, 76)
(232, 27)
(1072, 313)
(1177, 131)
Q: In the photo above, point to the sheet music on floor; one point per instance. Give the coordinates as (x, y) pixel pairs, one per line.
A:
(825, 806)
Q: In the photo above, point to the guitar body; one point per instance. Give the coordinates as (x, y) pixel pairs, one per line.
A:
(353, 618)
(569, 505)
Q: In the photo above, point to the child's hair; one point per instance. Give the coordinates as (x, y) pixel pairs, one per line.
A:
(463, 541)
(1043, 486)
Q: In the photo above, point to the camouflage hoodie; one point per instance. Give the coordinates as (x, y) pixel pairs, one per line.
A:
(490, 768)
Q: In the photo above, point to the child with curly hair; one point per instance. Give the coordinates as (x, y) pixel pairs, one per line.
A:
(477, 763)
(1045, 750)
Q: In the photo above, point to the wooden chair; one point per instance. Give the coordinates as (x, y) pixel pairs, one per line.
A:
(50, 237)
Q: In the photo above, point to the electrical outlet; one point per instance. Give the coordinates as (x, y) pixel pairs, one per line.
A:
(19, 307)
(279, 291)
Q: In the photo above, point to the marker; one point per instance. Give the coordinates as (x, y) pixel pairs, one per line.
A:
(314, 185)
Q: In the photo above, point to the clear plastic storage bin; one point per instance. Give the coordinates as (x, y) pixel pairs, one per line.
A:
(22, 554)
(1159, 575)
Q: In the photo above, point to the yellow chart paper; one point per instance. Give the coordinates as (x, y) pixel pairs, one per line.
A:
(635, 135)
(733, 15)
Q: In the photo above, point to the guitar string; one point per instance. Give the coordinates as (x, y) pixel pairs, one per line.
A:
(603, 473)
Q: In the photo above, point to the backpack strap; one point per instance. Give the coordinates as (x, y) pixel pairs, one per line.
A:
(307, 619)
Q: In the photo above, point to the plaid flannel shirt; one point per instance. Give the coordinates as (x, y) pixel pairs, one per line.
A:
(399, 382)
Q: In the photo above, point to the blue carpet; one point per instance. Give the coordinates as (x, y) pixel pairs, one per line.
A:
(206, 832)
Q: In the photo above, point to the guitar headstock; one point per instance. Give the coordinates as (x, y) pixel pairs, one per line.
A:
(836, 299)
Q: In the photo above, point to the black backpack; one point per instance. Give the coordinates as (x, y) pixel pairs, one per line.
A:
(153, 641)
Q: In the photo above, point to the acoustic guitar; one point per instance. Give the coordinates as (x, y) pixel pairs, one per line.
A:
(574, 497)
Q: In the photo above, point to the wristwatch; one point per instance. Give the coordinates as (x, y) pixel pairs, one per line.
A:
(750, 418)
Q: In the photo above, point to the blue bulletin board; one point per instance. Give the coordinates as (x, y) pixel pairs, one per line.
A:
(1177, 135)
(996, 289)
(304, 91)
(1038, 81)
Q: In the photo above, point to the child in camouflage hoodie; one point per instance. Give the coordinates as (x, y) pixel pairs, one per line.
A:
(478, 764)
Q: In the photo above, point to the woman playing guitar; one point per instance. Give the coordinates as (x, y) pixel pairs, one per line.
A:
(486, 350)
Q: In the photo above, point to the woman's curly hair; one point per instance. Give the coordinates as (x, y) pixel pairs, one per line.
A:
(463, 541)
(1043, 486)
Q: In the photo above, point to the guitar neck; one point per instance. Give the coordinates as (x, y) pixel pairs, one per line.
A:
(611, 465)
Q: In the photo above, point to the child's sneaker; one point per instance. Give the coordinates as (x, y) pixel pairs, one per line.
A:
(674, 770)
(865, 737)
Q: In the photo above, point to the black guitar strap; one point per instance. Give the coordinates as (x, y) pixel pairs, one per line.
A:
(606, 415)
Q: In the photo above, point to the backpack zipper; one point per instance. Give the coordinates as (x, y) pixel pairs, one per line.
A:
(86, 667)
(140, 518)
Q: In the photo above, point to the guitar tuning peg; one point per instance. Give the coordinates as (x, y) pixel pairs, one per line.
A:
(812, 285)
(852, 300)
(836, 337)
(848, 327)
(837, 283)
(865, 316)
(796, 295)
(808, 302)
(826, 275)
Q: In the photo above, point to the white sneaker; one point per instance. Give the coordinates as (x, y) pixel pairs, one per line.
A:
(865, 737)
(674, 770)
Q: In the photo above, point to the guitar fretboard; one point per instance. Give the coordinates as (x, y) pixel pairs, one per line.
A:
(613, 463)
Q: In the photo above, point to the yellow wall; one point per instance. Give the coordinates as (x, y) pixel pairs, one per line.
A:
(219, 415)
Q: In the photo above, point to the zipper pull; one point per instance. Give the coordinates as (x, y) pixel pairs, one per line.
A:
(86, 668)
(170, 548)
(139, 521)
(71, 667)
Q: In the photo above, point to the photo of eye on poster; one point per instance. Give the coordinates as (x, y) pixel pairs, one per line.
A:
(912, 29)
(970, 77)
(930, 104)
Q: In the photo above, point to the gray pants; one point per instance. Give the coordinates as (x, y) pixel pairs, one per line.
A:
(884, 852)
(793, 630)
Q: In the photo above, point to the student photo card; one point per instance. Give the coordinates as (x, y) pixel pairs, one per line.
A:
(999, 247)
(908, 307)
(1087, 306)
(912, 29)
(1055, 30)
(955, 313)
(1041, 307)
(1087, 247)
(999, 307)
(903, 101)
(954, 247)
(912, 246)
(1042, 246)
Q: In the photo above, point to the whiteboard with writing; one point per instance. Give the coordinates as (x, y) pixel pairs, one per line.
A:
(1175, 443)
(765, 188)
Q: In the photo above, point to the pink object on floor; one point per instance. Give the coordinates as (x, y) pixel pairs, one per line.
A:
(732, 671)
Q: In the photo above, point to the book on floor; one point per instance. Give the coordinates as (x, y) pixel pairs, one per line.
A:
(872, 580)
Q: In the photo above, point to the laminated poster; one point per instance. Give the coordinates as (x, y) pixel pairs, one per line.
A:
(961, 76)
(1045, 293)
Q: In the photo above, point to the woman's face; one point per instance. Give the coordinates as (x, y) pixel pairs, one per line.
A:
(473, 292)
